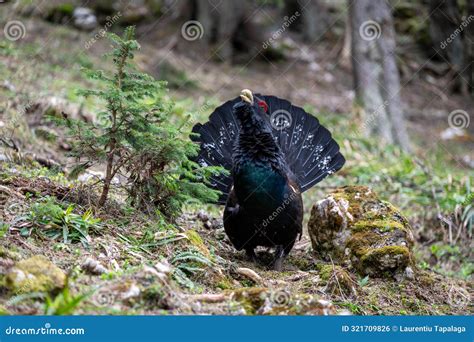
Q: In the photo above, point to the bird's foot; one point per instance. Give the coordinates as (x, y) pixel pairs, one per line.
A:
(278, 259)
(278, 264)
(251, 255)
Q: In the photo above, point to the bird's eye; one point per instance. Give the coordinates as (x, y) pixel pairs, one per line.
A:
(263, 105)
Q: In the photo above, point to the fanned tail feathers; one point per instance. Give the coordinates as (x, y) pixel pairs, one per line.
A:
(310, 151)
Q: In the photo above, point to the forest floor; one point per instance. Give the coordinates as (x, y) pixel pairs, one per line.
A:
(137, 265)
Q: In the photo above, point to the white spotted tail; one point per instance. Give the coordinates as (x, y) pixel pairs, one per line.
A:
(310, 151)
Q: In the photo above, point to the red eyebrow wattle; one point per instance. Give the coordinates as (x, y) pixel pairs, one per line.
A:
(263, 105)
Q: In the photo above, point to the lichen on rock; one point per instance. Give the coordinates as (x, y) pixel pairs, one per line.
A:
(35, 274)
(354, 228)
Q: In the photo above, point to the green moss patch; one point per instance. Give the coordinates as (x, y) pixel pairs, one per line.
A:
(196, 240)
(36, 274)
(385, 258)
(386, 225)
(251, 298)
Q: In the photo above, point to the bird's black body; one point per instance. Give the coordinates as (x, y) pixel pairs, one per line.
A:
(270, 167)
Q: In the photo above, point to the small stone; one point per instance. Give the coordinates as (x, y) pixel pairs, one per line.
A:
(161, 270)
(132, 292)
(344, 313)
(216, 224)
(84, 19)
(220, 234)
(202, 216)
(468, 161)
(93, 266)
(91, 175)
(324, 302)
(409, 273)
(452, 133)
(163, 267)
(213, 224)
(8, 86)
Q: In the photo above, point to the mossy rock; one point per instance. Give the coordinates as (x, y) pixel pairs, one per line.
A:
(353, 227)
(35, 274)
(251, 298)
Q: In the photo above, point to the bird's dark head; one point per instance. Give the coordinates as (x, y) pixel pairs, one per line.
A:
(252, 112)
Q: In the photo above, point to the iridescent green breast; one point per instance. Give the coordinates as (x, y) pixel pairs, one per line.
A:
(259, 186)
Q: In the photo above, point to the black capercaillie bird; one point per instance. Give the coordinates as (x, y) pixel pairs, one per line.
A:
(275, 151)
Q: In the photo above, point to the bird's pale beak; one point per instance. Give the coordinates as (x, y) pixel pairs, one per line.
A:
(246, 96)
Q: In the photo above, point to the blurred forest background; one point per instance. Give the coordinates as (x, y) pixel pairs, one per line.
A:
(392, 80)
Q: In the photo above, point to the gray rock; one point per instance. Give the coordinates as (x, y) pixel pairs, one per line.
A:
(84, 19)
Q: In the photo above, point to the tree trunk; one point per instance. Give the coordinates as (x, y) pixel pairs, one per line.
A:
(314, 19)
(445, 21)
(105, 193)
(223, 22)
(376, 77)
(468, 68)
(345, 54)
(204, 16)
(109, 175)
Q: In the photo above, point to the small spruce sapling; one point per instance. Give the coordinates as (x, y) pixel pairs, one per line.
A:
(134, 137)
